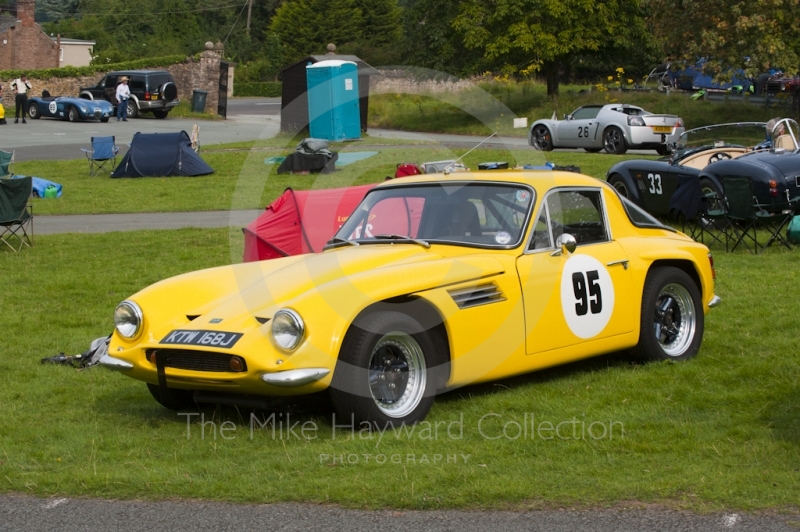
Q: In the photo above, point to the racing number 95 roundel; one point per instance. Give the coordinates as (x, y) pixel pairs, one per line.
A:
(587, 295)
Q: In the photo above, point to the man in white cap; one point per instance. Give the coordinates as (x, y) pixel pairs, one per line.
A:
(123, 94)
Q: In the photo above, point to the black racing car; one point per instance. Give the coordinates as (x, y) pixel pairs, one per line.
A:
(772, 165)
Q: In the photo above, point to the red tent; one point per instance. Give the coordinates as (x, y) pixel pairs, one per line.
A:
(300, 222)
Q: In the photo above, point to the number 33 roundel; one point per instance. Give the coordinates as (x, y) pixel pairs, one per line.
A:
(587, 295)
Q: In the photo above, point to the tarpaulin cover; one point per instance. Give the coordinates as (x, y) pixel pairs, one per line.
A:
(161, 154)
(300, 221)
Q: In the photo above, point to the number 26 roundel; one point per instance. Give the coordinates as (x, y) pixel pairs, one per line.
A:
(587, 295)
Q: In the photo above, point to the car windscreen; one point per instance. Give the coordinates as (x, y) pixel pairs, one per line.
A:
(473, 214)
(745, 134)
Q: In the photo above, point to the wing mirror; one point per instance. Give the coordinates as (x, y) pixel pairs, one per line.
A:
(567, 117)
(565, 243)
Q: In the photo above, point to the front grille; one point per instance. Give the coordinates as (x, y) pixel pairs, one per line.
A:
(476, 295)
(98, 113)
(198, 360)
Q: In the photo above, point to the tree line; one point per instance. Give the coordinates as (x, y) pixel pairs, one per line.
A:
(554, 40)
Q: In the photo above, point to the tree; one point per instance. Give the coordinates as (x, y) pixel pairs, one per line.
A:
(528, 36)
(305, 27)
(755, 35)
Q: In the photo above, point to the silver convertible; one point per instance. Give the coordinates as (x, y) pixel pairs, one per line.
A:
(614, 128)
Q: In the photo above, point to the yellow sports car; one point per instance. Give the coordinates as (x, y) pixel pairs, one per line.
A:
(432, 283)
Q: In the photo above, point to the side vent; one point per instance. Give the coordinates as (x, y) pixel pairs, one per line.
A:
(192, 317)
(483, 294)
(261, 320)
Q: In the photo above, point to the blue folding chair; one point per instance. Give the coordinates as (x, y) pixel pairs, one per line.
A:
(103, 152)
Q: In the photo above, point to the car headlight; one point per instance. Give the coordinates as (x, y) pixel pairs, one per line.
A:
(128, 319)
(287, 329)
(83, 108)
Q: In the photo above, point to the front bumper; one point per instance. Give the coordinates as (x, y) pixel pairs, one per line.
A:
(715, 301)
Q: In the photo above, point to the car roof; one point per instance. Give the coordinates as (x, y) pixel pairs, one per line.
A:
(535, 178)
(138, 72)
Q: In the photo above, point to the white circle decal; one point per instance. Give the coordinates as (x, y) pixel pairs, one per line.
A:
(52, 108)
(587, 295)
(502, 238)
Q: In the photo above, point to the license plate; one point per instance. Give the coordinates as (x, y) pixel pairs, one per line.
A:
(662, 129)
(207, 338)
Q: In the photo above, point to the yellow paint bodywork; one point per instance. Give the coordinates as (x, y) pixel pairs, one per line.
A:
(524, 331)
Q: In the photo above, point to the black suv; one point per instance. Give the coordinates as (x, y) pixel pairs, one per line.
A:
(152, 91)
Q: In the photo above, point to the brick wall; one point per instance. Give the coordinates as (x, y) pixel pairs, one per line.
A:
(25, 45)
(192, 74)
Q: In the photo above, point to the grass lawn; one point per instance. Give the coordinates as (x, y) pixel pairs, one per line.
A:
(718, 432)
(242, 181)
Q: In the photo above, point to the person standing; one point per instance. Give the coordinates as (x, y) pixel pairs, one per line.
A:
(123, 95)
(21, 85)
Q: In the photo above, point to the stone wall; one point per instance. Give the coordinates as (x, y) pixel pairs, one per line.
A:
(192, 74)
(402, 82)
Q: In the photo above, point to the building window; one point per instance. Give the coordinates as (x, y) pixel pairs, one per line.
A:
(61, 54)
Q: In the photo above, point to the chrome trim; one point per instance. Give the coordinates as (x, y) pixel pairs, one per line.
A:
(715, 301)
(475, 296)
(624, 263)
(115, 363)
(294, 377)
(299, 323)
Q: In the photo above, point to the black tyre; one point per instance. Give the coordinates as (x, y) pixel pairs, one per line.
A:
(158, 113)
(173, 399)
(33, 110)
(672, 316)
(133, 110)
(169, 91)
(592, 150)
(104, 119)
(541, 139)
(388, 371)
(614, 141)
(72, 115)
(663, 150)
(620, 186)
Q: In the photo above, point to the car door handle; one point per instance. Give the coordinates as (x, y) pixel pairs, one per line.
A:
(624, 263)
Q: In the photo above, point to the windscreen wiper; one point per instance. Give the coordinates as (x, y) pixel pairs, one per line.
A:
(337, 242)
(402, 238)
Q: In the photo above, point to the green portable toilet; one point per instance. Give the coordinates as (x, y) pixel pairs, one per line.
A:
(333, 100)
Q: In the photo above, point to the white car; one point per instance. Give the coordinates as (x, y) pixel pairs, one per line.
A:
(614, 128)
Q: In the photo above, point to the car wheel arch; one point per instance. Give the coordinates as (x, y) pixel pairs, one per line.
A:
(630, 183)
(421, 310)
(682, 264)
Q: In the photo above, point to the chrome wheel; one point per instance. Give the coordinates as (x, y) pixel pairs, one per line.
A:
(675, 320)
(397, 376)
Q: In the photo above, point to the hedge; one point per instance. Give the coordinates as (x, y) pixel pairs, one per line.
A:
(74, 72)
(269, 89)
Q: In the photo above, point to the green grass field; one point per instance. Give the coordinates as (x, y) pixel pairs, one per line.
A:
(717, 432)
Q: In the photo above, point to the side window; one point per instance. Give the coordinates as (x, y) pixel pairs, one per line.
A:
(111, 82)
(541, 232)
(102, 82)
(137, 84)
(579, 213)
(585, 113)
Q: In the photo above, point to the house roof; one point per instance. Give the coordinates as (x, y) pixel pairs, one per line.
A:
(363, 68)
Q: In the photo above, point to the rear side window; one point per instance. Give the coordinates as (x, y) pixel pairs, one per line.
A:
(137, 83)
(155, 81)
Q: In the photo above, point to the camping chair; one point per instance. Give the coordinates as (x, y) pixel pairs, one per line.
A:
(16, 214)
(6, 160)
(195, 138)
(103, 151)
(702, 216)
(747, 215)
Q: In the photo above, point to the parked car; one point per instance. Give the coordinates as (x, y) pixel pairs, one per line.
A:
(614, 128)
(432, 283)
(152, 91)
(714, 153)
(69, 108)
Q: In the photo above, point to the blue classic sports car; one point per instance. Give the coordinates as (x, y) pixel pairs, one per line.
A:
(69, 108)
(713, 154)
